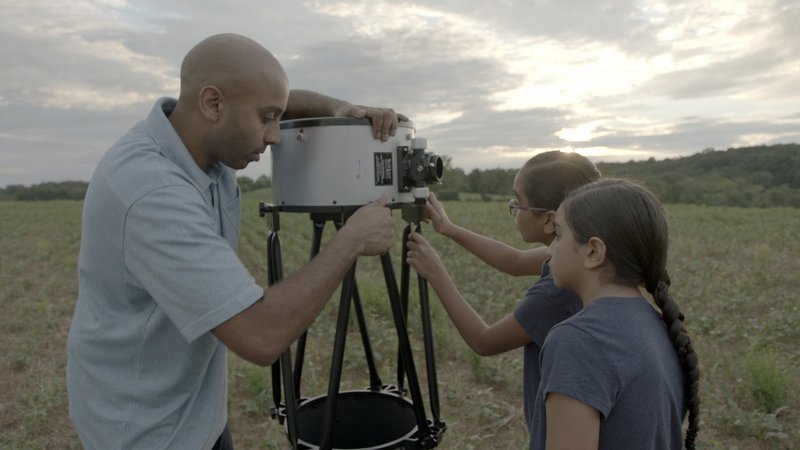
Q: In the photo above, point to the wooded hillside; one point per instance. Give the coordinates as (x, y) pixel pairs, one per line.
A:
(760, 176)
(752, 176)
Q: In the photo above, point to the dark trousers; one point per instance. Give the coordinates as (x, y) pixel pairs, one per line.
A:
(225, 441)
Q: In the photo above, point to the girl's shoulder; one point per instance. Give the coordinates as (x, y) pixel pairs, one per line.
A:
(544, 294)
(609, 315)
(610, 325)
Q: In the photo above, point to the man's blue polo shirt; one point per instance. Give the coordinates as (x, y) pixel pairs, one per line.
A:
(157, 271)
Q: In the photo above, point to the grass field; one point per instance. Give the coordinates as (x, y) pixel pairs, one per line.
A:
(734, 271)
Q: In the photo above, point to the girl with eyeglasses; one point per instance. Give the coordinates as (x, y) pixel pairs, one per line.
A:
(619, 373)
(539, 188)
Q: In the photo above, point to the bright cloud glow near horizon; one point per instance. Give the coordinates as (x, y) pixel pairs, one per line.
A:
(489, 84)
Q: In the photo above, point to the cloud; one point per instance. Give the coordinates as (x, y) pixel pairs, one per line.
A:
(692, 136)
(488, 83)
(76, 59)
(48, 144)
(735, 76)
(733, 51)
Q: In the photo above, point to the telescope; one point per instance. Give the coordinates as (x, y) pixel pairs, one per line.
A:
(334, 165)
(329, 167)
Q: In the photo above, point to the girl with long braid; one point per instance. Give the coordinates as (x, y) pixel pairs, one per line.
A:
(539, 187)
(617, 374)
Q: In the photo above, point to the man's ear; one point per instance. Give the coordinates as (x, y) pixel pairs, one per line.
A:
(210, 100)
(594, 253)
(550, 222)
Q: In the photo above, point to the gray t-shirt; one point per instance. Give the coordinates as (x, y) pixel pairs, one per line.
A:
(543, 307)
(616, 357)
(157, 272)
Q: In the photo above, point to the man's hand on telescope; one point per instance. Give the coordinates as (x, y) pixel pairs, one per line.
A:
(370, 229)
(384, 120)
(303, 103)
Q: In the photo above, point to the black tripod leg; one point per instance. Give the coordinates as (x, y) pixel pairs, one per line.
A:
(404, 287)
(427, 333)
(316, 243)
(285, 364)
(272, 261)
(291, 400)
(298, 364)
(338, 359)
(374, 380)
(405, 345)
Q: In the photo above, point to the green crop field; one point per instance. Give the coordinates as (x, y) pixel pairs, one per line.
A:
(735, 272)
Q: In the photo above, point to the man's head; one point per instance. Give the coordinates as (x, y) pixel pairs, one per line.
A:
(233, 93)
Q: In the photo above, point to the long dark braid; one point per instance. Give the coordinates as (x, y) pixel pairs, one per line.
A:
(673, 318)
(630, 221)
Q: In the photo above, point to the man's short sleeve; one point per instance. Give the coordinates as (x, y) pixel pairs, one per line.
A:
(172, 249)
(574, 364)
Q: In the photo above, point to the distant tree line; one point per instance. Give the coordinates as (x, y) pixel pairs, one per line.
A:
(64, 190)
(487, 183)
(76, 190)
(248, 184)
(760, 176)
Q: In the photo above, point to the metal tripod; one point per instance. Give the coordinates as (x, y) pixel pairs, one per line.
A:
(303, 426)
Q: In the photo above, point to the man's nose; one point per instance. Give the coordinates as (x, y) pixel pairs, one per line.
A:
(272, 134)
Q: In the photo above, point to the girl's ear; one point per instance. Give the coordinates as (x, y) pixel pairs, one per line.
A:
(594, 253)
(550, 222)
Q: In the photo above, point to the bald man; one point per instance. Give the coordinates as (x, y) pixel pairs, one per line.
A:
(162, 293)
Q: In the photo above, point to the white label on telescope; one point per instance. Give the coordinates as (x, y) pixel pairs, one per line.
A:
(383, 169)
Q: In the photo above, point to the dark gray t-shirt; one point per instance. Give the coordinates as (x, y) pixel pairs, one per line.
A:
(616, 357)
(543, 307)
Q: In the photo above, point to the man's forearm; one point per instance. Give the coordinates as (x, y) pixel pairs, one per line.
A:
(304, 103)
(267, 328)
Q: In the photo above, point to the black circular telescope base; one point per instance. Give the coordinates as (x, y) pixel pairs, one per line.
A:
(364, 420)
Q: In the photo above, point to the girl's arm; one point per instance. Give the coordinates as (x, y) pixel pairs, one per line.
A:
(571, 425)
(499, 255)
(506, 334)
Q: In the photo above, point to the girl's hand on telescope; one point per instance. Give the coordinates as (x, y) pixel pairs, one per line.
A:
(435, 214)
(423, 258)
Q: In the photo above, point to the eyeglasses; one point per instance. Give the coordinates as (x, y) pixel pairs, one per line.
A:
(513, 206)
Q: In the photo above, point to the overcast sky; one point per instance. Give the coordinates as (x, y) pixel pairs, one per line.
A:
(489, 83)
